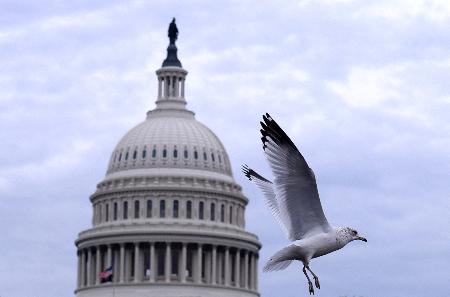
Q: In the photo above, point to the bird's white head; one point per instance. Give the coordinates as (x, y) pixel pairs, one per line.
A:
(347, 234)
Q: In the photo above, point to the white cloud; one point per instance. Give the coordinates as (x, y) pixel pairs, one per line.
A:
(369, 87)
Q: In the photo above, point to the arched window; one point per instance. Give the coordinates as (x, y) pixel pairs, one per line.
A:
(186, 154)
(164, 153)
(149, 208)
(175, 209)
(201, 207)
(126, 156)
(125, 210)
(220, 158)
(144, 153)
(231, 214)
(107, 212)
(212, 214)
(162, 209)
(175, 153)
(136, 209)
(115, 211)
(120, 157)
(195, 155)
(154, 153)
(99, 213)
(222, 213)
(189, 210)
(205, 157)
(134, 155)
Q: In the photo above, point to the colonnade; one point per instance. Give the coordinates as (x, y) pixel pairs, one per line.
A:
(167, 262)
(171, 86)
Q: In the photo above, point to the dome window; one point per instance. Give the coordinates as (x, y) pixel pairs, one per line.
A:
(175, 209)
(212, 214)
(149, 208)
(162, 208)
(205, 157)
(189, 210)
(175, 153)
(201, 207)
(136, 209)
(107, 212)
(134, 155)
(220, 158)
(164, 153)
(126, 156)
(212, 157)
(195, 155)
(222, 213)
(144, 153)
(120, 157)
(125, 210)
(154, 153)
(186, 154)
(231, 214)
(115, 211)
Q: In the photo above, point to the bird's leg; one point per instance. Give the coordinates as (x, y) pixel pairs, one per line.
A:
(316, 279)
(311, 288)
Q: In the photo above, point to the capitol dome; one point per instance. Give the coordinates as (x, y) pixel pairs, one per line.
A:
(169, 139)
(168, 219)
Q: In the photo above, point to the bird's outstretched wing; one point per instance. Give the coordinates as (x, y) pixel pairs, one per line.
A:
(295, 184)
(266, 187)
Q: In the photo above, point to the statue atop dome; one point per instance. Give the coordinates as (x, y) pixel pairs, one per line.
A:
(173, 32)
(172, 59)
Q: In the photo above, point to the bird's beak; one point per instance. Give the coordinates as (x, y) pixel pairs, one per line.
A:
(361, 238)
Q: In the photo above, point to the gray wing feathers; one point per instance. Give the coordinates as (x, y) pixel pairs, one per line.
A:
(266, 187)
(295, 184)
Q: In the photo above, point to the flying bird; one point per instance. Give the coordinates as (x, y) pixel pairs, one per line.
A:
(294, 201)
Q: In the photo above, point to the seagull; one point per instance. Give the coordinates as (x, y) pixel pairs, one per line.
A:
(294, 201)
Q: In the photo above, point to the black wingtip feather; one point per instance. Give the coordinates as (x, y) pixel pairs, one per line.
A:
(247, 171)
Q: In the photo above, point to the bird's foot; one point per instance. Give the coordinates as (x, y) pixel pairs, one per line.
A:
(316, 281)
(311, 288)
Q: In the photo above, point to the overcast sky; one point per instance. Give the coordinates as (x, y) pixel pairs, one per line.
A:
(362, 88)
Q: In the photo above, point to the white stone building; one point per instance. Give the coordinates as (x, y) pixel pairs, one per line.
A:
(168, 216)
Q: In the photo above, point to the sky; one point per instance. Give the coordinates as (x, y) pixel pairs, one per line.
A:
(362, 88)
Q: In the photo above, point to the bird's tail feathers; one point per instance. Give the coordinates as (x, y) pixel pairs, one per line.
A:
(280, 260)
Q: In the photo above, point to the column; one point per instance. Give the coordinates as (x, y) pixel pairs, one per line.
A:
(168, 264)
(198, 276)
(83, 268)
(159, 87)
(227, 266)
(78, 269)
(208, 255)
(256, 272)
(122, 262)
(246, 270)
(167, 86)
(252, 271)
(176, 86)
(182, 269)
(182, 88)
(237, 268)
(152, 262)
(97, 266)
(109, 256)
(214, 265)
(136, 263)
(89, 268)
